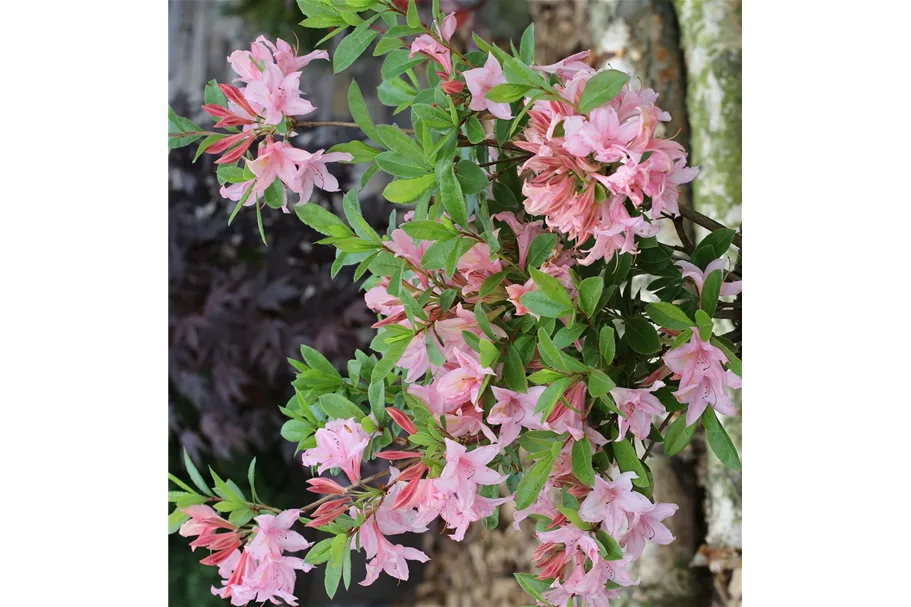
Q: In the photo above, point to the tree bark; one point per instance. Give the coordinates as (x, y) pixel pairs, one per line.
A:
(712, 43)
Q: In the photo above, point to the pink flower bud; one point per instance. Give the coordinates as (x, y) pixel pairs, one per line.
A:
(452, 87)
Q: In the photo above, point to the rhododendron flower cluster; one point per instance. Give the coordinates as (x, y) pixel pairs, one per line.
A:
(516, 359)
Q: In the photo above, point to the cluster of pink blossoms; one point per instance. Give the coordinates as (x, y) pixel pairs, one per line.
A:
(271, 93)
(586, 166)
(260, 571)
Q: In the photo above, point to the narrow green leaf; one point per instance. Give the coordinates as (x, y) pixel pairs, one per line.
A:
(195, 476)
(599, 383)
(533, 481)
(353, 45)
(336, 406)
(629, 461)
(582, 462)
(471, 177)
(601, 88)
(404, 191)
(359, 112)
(540, 249)
(717, 438)
(514, 371)
(607, 345)
(669, 316)
(678, 436)
(453, 199)
(711, 289)
(642, 336)
(590, 291)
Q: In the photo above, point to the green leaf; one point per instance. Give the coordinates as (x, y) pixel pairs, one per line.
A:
(180, 483)
(411, 15)
(434, 258)
(642, 336)
(601, 88)
(275, 195)
(205, 143)
(568, 335)
(669, 316)
(471, 177)
(399, 165)
(352, 207)
(474, 130)
(553, 357)
(548, 399)
(339, 407)
(175, 520)
(404, 191)
(241, 517)
(527, 45)
(360, 114)
(733, 362)
(489, 353)
(607, 345)
(433, 117)
(390, 357)
(705, 324)
(214, 95)
(629, 461)
(353, 45)
(195, 476)
(545, 376)
(427, 230)
(540, 249)
(319, 553)
(346, 569)
(678, 436)
(507, 93)
(711, 289)
(321, 220)
(397, 140)
(590, 291)
(612, 549)
(719, 441)
(514, 371)
(251, 476)
(337, 551)
(361, 151)
(582, 462)
(533, 481)
(600, 383)
(533, 586)
(453, 199)
(397, 63)
(551, 287)
(542, 305)
(712, 247)
(295, 430)
(333, 576)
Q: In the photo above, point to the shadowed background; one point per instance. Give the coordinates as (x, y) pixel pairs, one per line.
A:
(238, 309)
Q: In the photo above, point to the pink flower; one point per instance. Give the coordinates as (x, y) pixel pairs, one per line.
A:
(381, 302)
(325, 486)
(235, 570)
(384, 555)
(312, 172)
(274, 535)
(272, 578)
(276, 160)
(464, 382)
(610, 502)
(246, 63)
(639, 406)
(475, 265)
(459, 515)
(340, 444)
(693, 272)
(514, 411)
(600, 135)
(449, 330)
(431, 47)
(480, 80)
(703, 381)
(277, 95)
(205, 523)
(402, 245)
(568, 67)
(648, 526)
(236, 191)
(515, 292)
(286, 57)
(569, 419)
(464, 470)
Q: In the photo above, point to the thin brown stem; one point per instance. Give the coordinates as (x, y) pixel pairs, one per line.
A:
(363, 482)
(651, 445)
(708, 223)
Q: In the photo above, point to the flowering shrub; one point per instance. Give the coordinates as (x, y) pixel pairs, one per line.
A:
(531, 330)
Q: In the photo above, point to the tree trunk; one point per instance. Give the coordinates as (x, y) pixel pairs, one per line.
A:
(712, 43)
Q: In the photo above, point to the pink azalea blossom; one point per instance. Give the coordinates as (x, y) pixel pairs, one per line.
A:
(514, 411)
(465, 470)
(380, 301)
(703, 381)
(475, 265)
(466, 419)
(568, 67)
(459, 516)
(277, 95)
(610, 502)
(525, 233)
(429, 46)
(340, 444)
(639, 406)
(276, 160)
(648, 526)
(415, 359)
(384, 555)
(312, 172)
(464, 382)
(274, 535)
(286, 58)
(693, 272)
(449, 330)
(480, 80)
(205, 523)
(515, 293)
